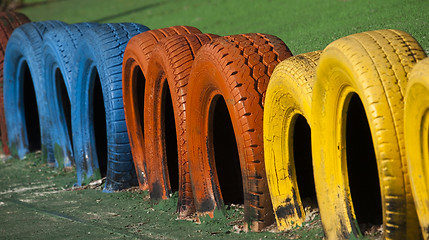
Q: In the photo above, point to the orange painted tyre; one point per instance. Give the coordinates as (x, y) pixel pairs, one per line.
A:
(136, 59)
(165, 121)
(8, 22)
(226, 92)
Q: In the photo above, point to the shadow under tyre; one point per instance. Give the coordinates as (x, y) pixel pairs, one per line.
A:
(100, 139)
(417, 140)
(224, 114)
(27, 111)
(136, 60)
(59, 48)
(8, 22)
(357, 122)
(287, 142)
(165, 118)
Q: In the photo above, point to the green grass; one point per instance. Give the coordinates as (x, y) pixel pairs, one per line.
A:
(304, 25)
(37, 202)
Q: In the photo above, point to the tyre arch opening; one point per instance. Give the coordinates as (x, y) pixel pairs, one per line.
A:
(303, 161)
(170, 138)
(64, 105)
(362, 171)
(225, 153)
(138, 89)
(98, 117)
(31, 113)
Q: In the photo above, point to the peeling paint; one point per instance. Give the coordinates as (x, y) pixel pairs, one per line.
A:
(207, 205)
(156, 191)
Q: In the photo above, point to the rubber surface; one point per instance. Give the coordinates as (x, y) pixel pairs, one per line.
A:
(59, 48)
(235, 69)
(373, 66)
(136, 60)
(168, 73)
(8, 22)
(100, 139)
(416, 139)
(22, 72)
(289, 96)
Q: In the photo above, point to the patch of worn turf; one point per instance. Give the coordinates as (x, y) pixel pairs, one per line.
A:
(38, 202)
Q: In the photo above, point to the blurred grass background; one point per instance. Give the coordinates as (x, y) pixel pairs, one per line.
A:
(304, 25)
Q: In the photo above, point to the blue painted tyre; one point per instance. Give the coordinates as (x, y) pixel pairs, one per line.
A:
(26, 108)
(100, 138)
(59, 50)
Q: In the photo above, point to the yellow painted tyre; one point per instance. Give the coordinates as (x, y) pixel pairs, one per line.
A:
(368, 70)
(288, 98)
(417, 140)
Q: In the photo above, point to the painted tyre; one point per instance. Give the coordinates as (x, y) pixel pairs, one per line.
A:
(8, 22)
(357, 130)
(26, 111)
(287, 139)
(165, 118)
(416, 139)
(100, 140)
(58, 67)
(136, 60)
(226, 93)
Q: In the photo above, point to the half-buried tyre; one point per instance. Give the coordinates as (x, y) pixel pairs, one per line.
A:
(100, 140)
(165, 118)
(27, 112)
(358, 149)
(224, 114)
(136, 60)
(8, 22)
(287, 139)
(416, 139)
(58, 67)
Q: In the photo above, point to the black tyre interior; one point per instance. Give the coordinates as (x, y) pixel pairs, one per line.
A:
(170, 138)
(64, 103)
(304, 162)
(138, 91)
(99, 117)
(362, 166)
(31, 111)
(226, 155)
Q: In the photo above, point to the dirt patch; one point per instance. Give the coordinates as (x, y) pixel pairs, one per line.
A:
(39, 202)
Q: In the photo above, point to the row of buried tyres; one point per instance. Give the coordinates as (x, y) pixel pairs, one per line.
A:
(232, 119)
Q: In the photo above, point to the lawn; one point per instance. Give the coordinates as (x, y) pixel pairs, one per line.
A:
(38, 202)
(305, 25)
